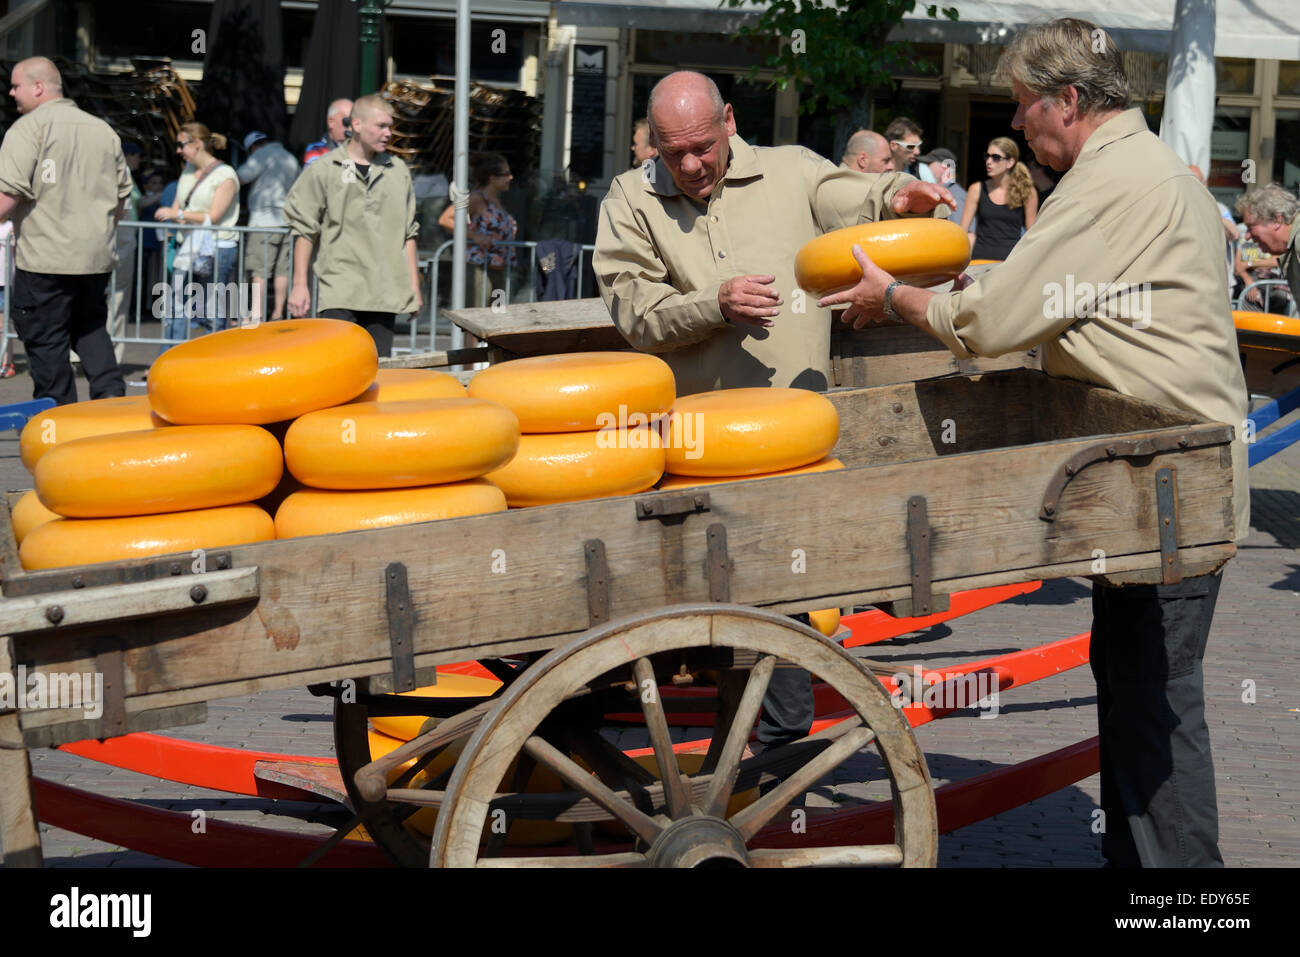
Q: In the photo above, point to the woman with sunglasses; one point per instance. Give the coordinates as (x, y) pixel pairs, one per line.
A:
(208, 192)
(1001, 207)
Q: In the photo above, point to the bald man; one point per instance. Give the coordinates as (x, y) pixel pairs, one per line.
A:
(65, 184)
(358, 206)
(695, 261)
(337, 118)
(868, 152)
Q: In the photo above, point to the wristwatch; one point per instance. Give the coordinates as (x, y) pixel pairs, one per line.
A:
(890, 312)
(180, 215)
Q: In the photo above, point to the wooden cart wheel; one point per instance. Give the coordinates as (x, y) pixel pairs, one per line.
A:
(684, 822)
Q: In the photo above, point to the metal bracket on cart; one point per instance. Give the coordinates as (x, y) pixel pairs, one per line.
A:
(923, 600)
(401, 626)
(598, 584)
(1124, 449)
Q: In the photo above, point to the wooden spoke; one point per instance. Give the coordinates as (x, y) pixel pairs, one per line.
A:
(548, 755)
(724, 777)
(872, 855)
(607, 760)
(656, 722)
(749, 821)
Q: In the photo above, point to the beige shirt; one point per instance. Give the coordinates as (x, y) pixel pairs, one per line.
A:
(1290, 264)
(67, 170)
(660, 259)
(360, 228)
(1128, 214)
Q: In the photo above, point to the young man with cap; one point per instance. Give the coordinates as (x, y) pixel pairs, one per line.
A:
(271, 170)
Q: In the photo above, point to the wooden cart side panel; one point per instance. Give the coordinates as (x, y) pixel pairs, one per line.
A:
(889, 354)
(515, 578)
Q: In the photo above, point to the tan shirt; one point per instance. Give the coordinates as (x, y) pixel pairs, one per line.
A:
(1290, 264)
(360, 228)
(1128, 212)
(67, 170)
(660, 259)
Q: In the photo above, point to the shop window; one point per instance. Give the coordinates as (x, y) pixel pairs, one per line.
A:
(1234, 75)
(666, 48)
(1286, 162)
(1288, 78)
(1229, 148)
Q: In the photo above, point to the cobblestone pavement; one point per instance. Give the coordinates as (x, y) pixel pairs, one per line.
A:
(1252, 647)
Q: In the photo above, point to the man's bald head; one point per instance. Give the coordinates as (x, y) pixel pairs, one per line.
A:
(34, 81)
(868, 152)
(690, 125)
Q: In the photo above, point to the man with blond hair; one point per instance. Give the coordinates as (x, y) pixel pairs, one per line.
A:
(357, 207)
(1271, 215)
(65, 183)
(1130, 215)
(868, 152)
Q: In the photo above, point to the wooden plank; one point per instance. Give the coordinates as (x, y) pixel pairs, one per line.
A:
(534, 328)
(9, 563)
(20, 839)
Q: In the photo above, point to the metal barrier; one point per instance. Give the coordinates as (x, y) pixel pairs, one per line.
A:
(155, 306)
(1291, 308)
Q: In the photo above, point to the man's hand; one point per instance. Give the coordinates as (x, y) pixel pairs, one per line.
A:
(299, 300)
(919, 197)
(750, 300)
(867, 299)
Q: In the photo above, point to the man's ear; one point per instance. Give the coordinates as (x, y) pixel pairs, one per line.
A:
(728, 120)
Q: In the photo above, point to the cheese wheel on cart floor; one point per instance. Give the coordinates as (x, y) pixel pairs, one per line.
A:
(370, 445)
(30, 513)
(178, 469)
(738, 432)
(264, 373)
(88, 541)
(922, 252)
(400, 385)
(80, 420)
(573, 466)
(404, 727)
(321, 511)
(579, 391)
(689, 481)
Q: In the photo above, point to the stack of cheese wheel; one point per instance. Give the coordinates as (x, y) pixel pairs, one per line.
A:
(154, 490)
(395, 462)
(741, 434)
(589, 422)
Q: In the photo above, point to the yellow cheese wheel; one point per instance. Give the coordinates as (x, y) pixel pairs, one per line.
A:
(400, 444)
(87, 541)
(827, 621)
(1246, 322)
(28, 514)
(984, 262)
(579, 391)
(81, 419)
(320, 512)
(922, 252)
(178, 469)
(263, 373)
(404, 727)
(399, 385)
(572, 466)
(690, 481)
(749, 431)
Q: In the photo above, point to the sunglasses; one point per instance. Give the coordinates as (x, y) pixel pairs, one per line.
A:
(181, 144)
(910, 147)
(997, 158)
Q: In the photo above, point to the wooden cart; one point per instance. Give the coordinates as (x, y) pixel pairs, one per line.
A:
(952, 483)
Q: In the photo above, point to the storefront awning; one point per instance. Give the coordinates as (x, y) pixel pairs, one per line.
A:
(1264, 29)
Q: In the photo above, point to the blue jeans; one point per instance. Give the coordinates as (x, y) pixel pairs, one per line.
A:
(195, 301)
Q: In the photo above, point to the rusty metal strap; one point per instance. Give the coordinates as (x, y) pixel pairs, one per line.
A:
(918, 547)
(719, 564)
(598, 584)
(1171, 567)
(401, 627)
(1125, 449)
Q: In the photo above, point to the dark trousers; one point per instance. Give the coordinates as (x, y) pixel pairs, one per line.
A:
(54, 314)
(379, 324)
(788, 705)
(1157, 774)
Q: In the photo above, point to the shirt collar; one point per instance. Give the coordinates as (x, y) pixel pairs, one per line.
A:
(742, 164)
(1126, 124)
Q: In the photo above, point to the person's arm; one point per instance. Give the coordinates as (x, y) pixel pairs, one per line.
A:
(18, 157)
(651, 314)
(1031, 208)
(252, 167)
(968, 211)
(837, 195)
(222, 197)
(412, 254)
(303, 209)
(7, 203)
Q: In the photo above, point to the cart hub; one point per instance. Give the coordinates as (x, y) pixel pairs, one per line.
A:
(699, 842)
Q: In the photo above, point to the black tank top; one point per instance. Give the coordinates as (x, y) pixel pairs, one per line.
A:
(997, 227)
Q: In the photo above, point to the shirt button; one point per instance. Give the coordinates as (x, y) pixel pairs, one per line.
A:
(713, 219)
(722, 254)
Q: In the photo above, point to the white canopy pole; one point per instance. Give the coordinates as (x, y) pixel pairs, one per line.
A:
(460, 175)
(1189, 86)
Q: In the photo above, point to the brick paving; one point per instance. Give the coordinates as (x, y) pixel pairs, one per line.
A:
(1255, 740)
